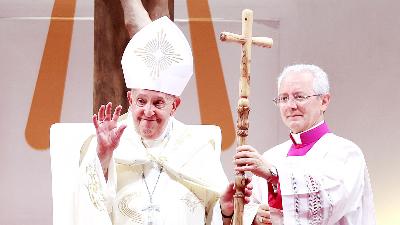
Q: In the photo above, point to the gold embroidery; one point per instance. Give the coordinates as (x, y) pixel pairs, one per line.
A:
(191, 201)
(93, 187)
(125, 210)
(158, 54)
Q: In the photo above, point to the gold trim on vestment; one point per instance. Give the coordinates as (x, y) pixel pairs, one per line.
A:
(94, 189)
(125, 210)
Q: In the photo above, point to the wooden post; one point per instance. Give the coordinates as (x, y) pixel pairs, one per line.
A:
(110, 39)
(243, 109)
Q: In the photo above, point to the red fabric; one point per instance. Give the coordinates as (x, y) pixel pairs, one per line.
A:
(274, 199)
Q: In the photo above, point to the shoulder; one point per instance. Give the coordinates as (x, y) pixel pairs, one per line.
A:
(205, 130)
(340, 147)
(202, 130)
(334, 141)
(278, 150)
(196, 135)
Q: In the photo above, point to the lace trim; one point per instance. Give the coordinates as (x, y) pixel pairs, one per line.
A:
(314, 201)
(296, 200)
(316, 211)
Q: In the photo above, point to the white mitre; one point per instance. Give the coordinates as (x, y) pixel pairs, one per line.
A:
(158, 58)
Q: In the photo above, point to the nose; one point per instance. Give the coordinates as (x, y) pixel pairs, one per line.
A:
(291, 103)
(148, 110)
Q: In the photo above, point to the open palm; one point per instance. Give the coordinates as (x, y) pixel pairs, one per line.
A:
(107, 131)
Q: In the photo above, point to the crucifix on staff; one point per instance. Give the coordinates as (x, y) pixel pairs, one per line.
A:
(246, 40)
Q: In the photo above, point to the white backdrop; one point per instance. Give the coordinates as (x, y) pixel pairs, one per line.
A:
(356, 42)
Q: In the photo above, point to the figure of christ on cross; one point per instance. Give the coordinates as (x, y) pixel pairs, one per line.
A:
(152, 212)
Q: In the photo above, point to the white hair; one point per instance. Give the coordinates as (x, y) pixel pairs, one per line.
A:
(320, 82)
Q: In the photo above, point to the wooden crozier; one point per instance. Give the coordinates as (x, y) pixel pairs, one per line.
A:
(243, 109)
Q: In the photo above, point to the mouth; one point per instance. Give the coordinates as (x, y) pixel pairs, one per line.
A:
(294, 116)
(148, 119)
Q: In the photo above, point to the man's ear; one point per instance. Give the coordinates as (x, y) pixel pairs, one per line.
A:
(129, 96)
(325, 102)
(175, 105)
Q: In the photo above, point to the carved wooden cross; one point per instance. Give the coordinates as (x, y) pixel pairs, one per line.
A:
(243, 109)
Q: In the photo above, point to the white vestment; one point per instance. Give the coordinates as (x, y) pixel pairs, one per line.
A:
(329, 185)
(186, 191)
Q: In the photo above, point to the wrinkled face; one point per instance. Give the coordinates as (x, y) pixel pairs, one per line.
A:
(151, 111)
(301, 116)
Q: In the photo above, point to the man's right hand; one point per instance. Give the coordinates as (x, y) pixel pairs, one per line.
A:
(108, 134)
(226, 200)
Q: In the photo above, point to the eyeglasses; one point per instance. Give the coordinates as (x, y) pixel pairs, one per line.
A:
(298, 98)
(158, 103)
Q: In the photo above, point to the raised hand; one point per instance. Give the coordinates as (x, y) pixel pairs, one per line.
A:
(107, 132)
(263, 216)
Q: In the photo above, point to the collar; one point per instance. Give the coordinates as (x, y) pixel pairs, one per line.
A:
(303, 142)
(297, 138)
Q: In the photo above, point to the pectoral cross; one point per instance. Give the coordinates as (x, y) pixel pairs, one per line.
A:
(153, 214)
(243, 109)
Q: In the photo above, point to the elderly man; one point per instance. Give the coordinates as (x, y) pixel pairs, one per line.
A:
(147, 167)
(316, 177)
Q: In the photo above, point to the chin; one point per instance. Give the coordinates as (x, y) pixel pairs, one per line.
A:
(146, 134)
(294, 127)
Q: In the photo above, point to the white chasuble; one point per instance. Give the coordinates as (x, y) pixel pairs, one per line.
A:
(176, 183)
(329, 185)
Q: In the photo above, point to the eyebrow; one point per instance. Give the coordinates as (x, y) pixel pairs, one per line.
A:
(294, 93)
(152, 98)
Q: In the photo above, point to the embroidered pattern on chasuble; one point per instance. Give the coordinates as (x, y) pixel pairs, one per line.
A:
(123, 207)
(130, 194)
(191, 201)
(126, 203)
(93, 187)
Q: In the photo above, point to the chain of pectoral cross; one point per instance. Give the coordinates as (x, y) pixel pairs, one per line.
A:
(151, 209)
(147, 186)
